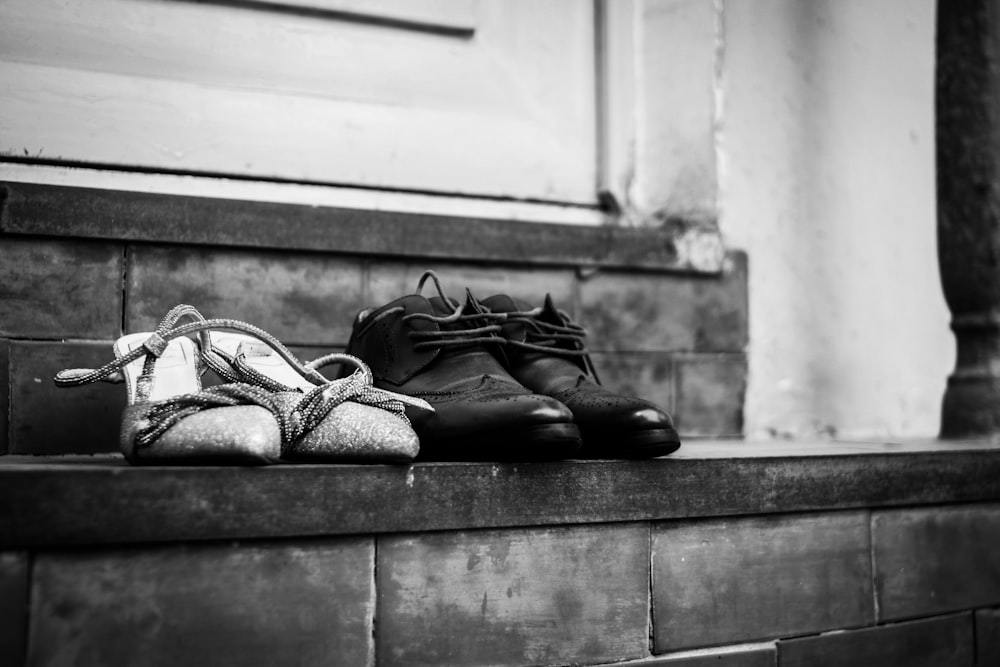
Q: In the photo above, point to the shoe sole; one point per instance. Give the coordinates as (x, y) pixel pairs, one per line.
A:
(543, 442)
(635, 445)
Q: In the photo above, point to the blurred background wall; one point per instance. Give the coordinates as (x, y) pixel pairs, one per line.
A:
(826, 152)
(803, 127)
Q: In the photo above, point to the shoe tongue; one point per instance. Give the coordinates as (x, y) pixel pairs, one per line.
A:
(516, 330)
(501, 303)
(550, 313)
(471, 349)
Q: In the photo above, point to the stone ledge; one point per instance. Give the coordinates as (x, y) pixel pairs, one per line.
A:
(56, 501)
(120, 215)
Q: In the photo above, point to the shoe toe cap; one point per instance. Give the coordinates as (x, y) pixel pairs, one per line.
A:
(505, 411)
(598, 410)
(479, 414)
(361, 433)
(646, 418)
(545, 409)
(238, 434)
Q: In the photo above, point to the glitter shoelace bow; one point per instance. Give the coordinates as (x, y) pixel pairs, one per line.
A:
(295, 418)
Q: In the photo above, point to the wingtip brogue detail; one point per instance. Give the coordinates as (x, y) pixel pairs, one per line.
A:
(545, 353)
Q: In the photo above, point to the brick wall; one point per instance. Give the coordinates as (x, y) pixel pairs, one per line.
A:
(677, 339)
(903, 586)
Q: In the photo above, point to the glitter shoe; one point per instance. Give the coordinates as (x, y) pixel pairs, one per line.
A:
(544, 351)
(437, 350)
(366, 425)
(171, 418)
(160, 369)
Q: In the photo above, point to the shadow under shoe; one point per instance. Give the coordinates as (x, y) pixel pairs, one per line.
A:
(545, 353)
(436, 349)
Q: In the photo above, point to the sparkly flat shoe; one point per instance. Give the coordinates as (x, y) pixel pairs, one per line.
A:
(364, 425)
(196, 425)
(544, 351)
(161, 372)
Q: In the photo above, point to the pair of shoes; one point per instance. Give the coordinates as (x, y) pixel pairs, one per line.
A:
(507, 382)
(271, 408)
(437, 350)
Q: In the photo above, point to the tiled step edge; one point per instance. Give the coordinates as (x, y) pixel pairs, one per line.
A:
(52, 501)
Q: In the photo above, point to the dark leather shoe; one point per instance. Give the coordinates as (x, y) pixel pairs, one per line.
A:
(545, 353)
(437, 350)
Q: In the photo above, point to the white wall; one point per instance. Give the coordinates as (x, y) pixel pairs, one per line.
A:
(826, 150)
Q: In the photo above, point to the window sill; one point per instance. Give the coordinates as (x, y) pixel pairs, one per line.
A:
(79, 500)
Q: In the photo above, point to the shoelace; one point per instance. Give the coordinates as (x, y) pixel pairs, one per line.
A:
(545, 337)
(467, 335)
(540, 336)
(167, 330)
(293, 422)
(151, 349)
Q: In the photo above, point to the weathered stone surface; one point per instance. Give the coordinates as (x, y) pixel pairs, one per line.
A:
(4, 396)
(160, 218)
(646, 312)
(302, 299)
(388, 281)
(647, 375)
(60, 289)
(13, 607)
(260, 604)
(723, 657)
(734, 580)
(100, 500)
(934, 560)
(987, 637)
(46, 419)
(934, 642)
(522, 596)
(709, 395)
